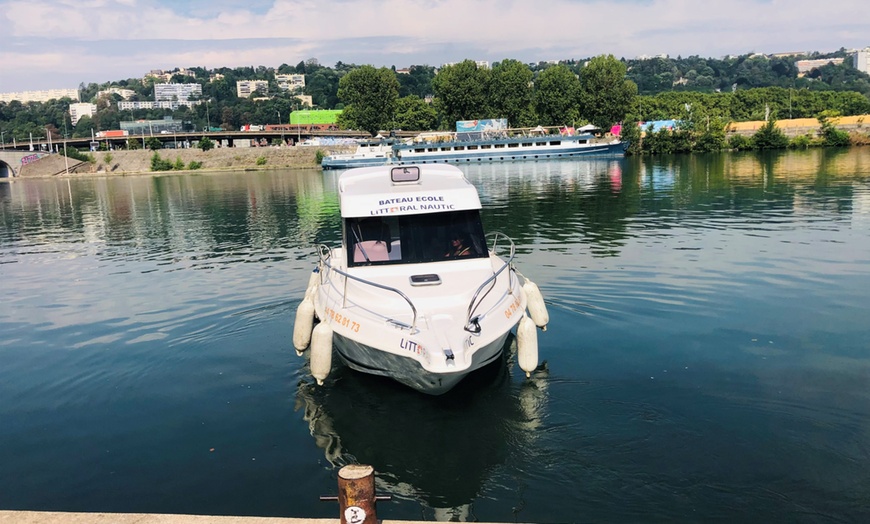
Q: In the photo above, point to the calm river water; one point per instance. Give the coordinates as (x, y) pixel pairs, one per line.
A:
(708, 355)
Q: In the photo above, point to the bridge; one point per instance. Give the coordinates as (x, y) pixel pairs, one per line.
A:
(11, 161)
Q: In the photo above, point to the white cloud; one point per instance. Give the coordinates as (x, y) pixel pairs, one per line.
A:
(414, 31)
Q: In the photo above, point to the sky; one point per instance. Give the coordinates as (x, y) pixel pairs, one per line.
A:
(51, 44)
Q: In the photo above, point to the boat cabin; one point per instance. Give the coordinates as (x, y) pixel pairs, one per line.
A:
(409, 215)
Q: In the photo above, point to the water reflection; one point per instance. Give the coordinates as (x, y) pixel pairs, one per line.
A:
(439, 451)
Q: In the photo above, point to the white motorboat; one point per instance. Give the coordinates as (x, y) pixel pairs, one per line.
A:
(416, 291)
(365, 155)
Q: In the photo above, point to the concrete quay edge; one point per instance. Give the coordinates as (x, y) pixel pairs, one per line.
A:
(63, 517)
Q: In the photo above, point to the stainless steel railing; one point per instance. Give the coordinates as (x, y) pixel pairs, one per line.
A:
(325, 255)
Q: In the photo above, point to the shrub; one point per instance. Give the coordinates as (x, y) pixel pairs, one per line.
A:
(107, 158)
(159, 164)
(206, 143)
(739, 142)
(769, 136)
(71, 152)
(318, 156)
(261, 160)
(194, 165)
(631, 135)
(801, 142)
(153, 143)
(179, 164)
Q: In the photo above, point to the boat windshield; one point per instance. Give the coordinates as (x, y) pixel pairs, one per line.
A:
(413, 239)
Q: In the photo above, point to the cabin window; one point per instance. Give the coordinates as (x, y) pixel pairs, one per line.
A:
(433, 149)
(582, 141)
(513, 144)
(472, 147)
(420, 150)
(498, 146)
(486, 146)
(459, 148)
(541, 143)
(556, 142)
(413, 239)
(527, 144)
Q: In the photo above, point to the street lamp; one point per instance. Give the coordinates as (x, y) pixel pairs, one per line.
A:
(2, 141)
(281, 125)
(207, 118)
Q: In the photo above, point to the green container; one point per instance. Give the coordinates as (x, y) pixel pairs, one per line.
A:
(315, 116)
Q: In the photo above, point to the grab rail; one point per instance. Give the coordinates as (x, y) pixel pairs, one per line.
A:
(471, 324)
(324, 259)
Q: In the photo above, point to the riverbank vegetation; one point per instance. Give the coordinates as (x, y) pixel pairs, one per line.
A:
(703, 94)
(708, 135)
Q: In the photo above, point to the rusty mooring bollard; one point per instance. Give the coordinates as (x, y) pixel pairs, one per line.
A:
(356, 495)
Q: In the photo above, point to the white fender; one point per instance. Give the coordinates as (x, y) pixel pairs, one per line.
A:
(535, 303)
(527, 345)
(321, 352)
(302, 325)
(313, 282)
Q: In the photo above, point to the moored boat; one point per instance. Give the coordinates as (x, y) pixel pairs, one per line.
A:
(416, 291)
(365, 155)
(504, 146)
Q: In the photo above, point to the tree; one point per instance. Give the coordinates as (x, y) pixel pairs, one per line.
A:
(631, 135)
(605, 94)
(555, 96)
(369, 96)
(206, 143)
(510, 93)
(769, 136)
(414, 114)
(461, 92)
(153, 143)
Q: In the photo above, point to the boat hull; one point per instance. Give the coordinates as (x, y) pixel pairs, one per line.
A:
(347, 163)
(566, 149)
(406, 370)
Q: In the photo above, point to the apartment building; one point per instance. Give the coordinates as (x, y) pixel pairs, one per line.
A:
(861, 60)
(290, 82)
(40, 96)
(180, 92)
(159, 104)
(123, 93)
(805, 66)
(77, 111)
(244, 88)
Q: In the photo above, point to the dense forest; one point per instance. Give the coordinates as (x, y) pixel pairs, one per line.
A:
(601, 90)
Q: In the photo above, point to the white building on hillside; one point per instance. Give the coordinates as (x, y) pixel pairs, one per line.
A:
(244, 88)
(805, 66)
(120, 91)
(861, 60)
(40, 96)
(290, 82)
(159, 104)
(77, 111)
(180, 92)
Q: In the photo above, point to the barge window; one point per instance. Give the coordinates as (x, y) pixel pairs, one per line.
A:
(541, 143)
(498, 146)
(420, 150)
(513, 144)
(472, 147)
(556, 142)
(527, 144)
(459, 148)
(485, 146)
